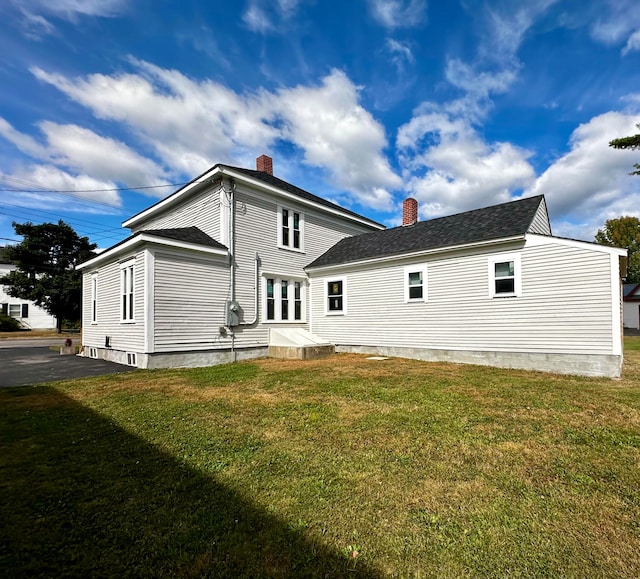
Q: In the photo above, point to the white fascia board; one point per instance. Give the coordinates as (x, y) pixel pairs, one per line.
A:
(130, 244)
(171, 199)
(300, 200)
(322, 270)
(535, 239)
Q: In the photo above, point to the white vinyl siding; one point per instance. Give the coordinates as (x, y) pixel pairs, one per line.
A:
(189, 303)
(202, 211)
(565, 306)
(540, 222)
(125, 337)
(257, 232)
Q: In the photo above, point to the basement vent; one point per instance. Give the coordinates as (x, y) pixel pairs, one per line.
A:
(93, 353)
(131, 359)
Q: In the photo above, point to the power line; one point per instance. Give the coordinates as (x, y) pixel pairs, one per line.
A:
(93, 190)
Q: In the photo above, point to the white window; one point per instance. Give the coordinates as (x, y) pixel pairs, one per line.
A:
(504, 276)
(284, 300)
(415, 283)
(15, 310)
(290, 229)
(94, 299)
(335, 296)
(127, 291)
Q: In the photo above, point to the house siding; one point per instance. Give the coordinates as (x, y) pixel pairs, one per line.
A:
(202, 211)
(189, 302)
(540, 222)
(256, 227)
(461, 315)
(37, 318)
(124, 337)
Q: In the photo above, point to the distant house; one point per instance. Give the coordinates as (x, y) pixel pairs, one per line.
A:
(30, 316)
(238, 260)
(631, 305)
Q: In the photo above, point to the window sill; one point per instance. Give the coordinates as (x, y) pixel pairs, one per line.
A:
(127, 322)
(500, 296)
(280, 322)
(335, 314)
(292, 249)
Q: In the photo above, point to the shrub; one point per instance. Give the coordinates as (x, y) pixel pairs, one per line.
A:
(9, 324)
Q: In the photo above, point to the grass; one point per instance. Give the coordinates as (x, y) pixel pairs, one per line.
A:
(330, 468)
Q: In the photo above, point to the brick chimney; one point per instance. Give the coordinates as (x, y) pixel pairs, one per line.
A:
(409, 211)
(264, 163)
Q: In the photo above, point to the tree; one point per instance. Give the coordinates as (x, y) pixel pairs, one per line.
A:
(45, 271)
(624, 232)
(632, 143)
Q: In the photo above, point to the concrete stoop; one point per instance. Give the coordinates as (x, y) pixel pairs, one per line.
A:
(297, 344)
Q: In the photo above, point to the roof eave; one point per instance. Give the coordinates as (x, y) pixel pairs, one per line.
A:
(141, 239)
(415, 254)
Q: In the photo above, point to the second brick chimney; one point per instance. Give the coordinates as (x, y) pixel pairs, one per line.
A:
(264, 163)
(409, 211)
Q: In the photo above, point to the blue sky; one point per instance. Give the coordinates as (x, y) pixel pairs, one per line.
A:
(460, 104)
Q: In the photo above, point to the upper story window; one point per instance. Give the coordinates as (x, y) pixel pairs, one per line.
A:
(290, 229)
(284, 300)
(504, 276)
(127, 291)
(415, 283)
(335, 301)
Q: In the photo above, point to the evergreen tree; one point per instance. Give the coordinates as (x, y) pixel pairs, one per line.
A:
(632, 143)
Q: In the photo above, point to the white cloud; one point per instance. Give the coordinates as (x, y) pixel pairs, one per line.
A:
(591, 182)
(85, 152)
(449, 168)
(401, 54)
(264, 16)
(633, 43)
(51, 178)
(339, 135)
(399, 13)
(70, 9)
(192, 124)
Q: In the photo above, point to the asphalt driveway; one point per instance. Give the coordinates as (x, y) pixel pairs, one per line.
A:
(26, 362)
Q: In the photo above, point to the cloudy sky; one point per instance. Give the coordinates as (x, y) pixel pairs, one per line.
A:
(108, 105)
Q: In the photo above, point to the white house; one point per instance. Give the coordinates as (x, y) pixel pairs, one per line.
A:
(239, 260)
(30, 316)
(631, 305)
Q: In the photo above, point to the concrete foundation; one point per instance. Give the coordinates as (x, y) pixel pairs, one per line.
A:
(195, 359)
(598, 365)
(301, 352)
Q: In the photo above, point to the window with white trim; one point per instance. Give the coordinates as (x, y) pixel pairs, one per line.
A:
(290, 229)
(415, 283)
(335, 299)
(284, 300)
(15, 310)
(127, 291)
(94, 298)
(504, 276)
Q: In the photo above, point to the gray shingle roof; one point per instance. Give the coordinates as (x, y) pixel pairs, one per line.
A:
(186, 234)
(289, 188)
(495, 222)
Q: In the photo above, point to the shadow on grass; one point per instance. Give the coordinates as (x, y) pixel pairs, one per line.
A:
(83, 497)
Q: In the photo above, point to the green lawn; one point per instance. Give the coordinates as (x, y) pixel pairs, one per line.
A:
(331, 468)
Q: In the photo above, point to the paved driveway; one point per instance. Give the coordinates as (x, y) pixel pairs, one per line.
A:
(25, 362)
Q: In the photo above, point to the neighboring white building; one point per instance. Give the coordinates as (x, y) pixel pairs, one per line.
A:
(239, 260)
(30, 316)
(631, 305)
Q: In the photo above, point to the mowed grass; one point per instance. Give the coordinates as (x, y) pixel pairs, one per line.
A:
(343, 467)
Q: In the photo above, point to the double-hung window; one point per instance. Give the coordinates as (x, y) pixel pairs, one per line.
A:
(290, 229)
(94, 298)
(504, 276)
(284, 300)
(127, 291)
(415, 283)
(335, 298)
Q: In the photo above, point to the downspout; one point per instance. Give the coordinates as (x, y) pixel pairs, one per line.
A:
(256, 293)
